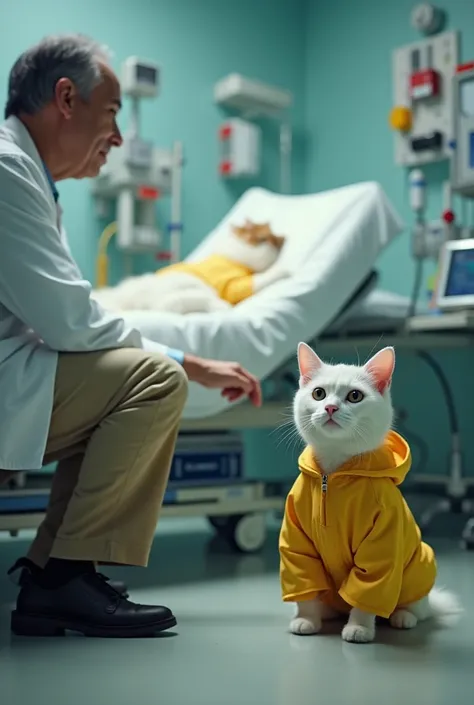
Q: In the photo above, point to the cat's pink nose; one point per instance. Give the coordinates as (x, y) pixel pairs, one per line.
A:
(331, 409)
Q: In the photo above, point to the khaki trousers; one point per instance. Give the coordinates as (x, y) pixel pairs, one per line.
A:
(113, 430)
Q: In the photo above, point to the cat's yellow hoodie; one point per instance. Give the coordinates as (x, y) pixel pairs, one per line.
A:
(350, 538)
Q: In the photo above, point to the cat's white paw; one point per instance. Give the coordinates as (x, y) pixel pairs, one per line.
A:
(305, 626)
(358, 634)
(403, 619)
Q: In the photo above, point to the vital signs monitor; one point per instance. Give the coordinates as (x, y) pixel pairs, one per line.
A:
(456, 277)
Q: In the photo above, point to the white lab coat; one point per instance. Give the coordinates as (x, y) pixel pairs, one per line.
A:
(45, 303)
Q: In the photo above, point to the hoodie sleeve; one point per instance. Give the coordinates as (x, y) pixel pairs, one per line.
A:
(375, 581)
(302, 574)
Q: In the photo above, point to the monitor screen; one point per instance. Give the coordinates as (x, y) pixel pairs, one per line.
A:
(146, 74)
(460, 281)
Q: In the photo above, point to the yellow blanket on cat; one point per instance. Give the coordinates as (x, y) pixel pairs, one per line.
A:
(233, 282)
(354, 541)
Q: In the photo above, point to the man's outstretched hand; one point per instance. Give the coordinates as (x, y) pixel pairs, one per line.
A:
(228, 376)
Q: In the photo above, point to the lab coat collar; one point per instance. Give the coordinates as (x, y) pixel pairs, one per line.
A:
(21, 137)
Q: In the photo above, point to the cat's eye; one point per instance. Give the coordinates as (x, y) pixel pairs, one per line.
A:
(354, 396)
(318, 394)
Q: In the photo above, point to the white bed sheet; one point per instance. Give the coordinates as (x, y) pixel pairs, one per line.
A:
(333, 241)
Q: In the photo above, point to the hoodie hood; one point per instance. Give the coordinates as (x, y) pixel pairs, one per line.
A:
(392, 460)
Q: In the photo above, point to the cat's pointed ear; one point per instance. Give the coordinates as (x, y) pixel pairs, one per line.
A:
(308, 363)
(278, 241)
(381, 367)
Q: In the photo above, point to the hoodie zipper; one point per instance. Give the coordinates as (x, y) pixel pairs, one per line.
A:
(324, 491)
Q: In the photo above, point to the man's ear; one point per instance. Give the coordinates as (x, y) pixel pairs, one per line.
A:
(65, 96)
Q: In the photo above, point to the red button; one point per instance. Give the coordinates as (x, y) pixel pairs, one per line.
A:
(448, 216)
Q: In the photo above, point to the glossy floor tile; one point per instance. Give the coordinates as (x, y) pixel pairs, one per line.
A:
(231, 646)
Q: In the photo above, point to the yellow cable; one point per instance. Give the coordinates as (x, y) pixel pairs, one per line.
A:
(102, 264)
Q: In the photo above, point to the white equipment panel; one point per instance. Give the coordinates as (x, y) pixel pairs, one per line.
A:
(423, 82)
(240, 148)
(140, 78)
(250, 96)
(462, 172)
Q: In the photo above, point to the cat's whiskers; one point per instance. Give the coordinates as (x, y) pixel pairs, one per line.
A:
(291, 441)
(284, 425)
(290, 436)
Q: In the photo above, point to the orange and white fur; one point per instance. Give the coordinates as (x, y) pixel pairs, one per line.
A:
(252, 245)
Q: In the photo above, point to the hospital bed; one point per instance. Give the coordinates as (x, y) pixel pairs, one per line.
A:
(333, 242)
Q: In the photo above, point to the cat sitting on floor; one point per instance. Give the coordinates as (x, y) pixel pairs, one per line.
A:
(244, 263)
(349, 544)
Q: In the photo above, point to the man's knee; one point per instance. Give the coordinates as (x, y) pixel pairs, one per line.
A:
(179, 383)
(172, 375)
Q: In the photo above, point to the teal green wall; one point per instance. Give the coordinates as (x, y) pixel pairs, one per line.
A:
(196, 42)
(348, 98)
(336, 57)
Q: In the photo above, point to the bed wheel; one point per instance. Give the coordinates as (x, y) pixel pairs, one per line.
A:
(245, 533)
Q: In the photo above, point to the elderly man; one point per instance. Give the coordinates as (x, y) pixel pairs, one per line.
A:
(76, 384)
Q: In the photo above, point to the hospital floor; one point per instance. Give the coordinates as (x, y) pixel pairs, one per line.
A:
(231, 646)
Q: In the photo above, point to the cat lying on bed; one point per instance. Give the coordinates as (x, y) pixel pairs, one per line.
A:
(349, 544)
(245, 263)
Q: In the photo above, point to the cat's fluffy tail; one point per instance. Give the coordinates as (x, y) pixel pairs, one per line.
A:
(443, 603)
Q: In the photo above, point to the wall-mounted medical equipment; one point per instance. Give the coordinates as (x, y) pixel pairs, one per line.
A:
(254, 100)
(427, 18)
(462, 163)
(423, 94)
(138, 174)
(433, 120)
(240, 142)
(428, 237)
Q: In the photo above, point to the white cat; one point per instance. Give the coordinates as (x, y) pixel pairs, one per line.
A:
(244, 263)
(349, 543)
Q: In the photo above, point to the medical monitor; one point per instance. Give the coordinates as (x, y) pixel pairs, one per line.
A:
(140, 78)
(456, 277)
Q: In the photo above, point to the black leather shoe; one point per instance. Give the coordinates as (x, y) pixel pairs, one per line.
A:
(28, 570)
(89, 605)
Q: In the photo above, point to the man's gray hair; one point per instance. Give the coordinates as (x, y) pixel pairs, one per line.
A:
(35, 73)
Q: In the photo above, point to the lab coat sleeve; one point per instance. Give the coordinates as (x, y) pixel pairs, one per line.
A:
(375, 581)
(302, 573)
(39, 281)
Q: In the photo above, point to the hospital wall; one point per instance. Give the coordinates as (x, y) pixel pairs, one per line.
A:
(348, 98)
(196, 44)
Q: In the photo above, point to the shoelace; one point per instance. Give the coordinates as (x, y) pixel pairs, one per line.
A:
(114, 594)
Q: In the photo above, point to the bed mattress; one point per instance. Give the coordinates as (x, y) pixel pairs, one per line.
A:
(377, 312)
(333, 241)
